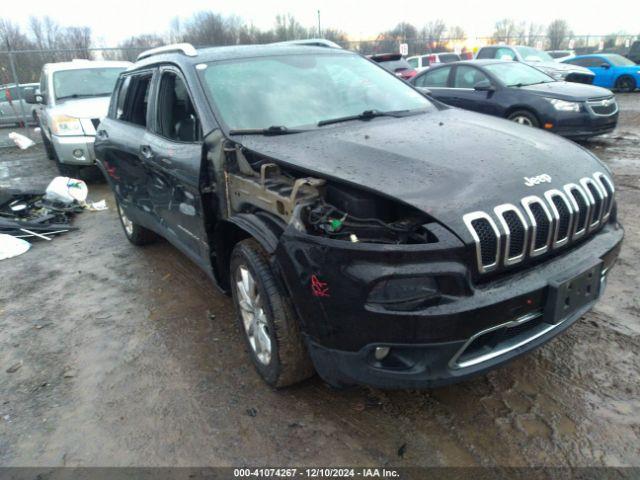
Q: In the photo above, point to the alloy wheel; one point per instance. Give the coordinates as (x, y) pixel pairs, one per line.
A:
(253, 315)
(126, 223)
(522, 120)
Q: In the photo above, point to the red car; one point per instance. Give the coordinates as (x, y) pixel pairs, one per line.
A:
(396, 64)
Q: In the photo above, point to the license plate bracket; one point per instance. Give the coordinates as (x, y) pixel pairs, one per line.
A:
(568, 295)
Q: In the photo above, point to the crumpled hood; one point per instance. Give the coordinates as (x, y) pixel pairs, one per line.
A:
(93, 107)
(446, 163)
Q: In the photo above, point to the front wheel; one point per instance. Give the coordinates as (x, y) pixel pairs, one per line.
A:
(524, 117)
(625, 84)
(267, 318)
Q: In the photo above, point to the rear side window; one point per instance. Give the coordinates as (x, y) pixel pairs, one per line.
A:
(587, 62)
(425, 61)
(135, 99)
(487, 52)
(413, 62)
(177, 118)
(122, 95)
(434, 78)
(505, 54)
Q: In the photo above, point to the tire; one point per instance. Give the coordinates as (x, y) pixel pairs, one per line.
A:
(135, 233)
(524, 117)
(266, 317)
(625, 84)
(48, 146)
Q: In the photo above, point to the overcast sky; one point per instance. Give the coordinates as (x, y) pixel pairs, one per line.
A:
(114, 20)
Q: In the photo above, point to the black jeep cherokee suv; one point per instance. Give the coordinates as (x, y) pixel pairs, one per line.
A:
(362, 228)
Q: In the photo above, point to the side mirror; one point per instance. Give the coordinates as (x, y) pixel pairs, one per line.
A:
(425, 91)
(606, 66)
(29, 96)
(484, 86)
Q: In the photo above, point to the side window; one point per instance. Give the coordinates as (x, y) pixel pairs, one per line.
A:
(425, 61)
(505, 54)
(434, 78)
(122, 95)
(487, 52)
(136, 99)
(413, 62)
(3, 95)
(467, 77)
(177, 118)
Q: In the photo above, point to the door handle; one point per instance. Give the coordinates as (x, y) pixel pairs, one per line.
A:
(146, 152)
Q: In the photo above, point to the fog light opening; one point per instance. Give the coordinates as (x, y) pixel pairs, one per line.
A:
(78, 153)
(381, 353)
(548, 126)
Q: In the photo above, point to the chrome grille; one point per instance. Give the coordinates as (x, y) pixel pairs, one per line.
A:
(603, 107)
(540, 224)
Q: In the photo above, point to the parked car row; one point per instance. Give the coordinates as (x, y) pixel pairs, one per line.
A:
(519, 92)
(14, 110)
(363, 229)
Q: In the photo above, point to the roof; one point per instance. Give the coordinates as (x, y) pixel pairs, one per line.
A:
(213, 54)
(83, 64)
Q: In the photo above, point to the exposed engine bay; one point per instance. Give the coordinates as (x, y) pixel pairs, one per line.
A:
(318, 207)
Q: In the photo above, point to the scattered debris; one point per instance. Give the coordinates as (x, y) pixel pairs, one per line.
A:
(21, 141)
(210, 315)
(402, 450)
(15, 367)
(11, 246)
(252, 412)
(97, 206)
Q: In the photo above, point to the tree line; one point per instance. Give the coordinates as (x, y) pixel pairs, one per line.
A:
(54, 42)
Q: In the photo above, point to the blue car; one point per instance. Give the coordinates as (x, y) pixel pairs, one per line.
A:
(612, 70)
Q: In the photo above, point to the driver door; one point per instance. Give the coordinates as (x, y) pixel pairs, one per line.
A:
(464, 80)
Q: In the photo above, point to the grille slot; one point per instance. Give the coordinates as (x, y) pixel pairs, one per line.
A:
(607, 187)
(595, 199)
(487, 239)
(580, 205)
(515, 228)
(563, 216)
(540, 220)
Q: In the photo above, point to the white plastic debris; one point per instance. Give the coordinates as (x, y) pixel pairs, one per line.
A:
(97, 206)
(66, 190)
(21, 141)
(11, 246)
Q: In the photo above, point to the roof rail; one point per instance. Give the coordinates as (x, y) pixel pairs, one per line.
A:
(313, 42)
(184, 48)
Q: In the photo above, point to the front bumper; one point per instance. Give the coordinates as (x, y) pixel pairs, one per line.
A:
(582, 124)
(74, 150)
(343, 329)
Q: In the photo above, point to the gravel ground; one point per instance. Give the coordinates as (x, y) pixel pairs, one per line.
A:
(130, 357)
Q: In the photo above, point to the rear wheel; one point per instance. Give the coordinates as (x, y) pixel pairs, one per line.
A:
(135, 233)
(267, 318)
(625, 84)
(524, 117)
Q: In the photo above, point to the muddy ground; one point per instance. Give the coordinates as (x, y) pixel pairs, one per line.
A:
(129, 356)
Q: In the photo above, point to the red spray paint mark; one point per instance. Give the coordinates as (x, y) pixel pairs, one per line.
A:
(319, 288)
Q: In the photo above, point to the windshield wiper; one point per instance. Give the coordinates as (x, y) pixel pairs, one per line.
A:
(272, 130)
(83, 95)
(366, 115)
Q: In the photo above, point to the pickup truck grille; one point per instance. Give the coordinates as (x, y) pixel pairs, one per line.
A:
(540, 224)
(603, 106)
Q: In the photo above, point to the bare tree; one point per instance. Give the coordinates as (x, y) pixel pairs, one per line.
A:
(288, 28)
(557, 32)
(506, 30)
(432, 33)
(456, 32)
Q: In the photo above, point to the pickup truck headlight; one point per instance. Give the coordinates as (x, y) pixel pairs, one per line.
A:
(563, 105)
(66, 125)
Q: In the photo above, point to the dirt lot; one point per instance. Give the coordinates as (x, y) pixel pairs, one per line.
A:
(129, 356)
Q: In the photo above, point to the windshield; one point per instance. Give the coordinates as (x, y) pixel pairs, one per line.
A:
(619, 60)
(295, 91)
(529, 54)
(86, 82)
(518, 74)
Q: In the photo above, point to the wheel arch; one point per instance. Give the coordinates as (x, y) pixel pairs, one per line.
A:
(261, 226)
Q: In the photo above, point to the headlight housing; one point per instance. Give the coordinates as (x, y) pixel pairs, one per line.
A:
(563, 105)
(66, 125)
